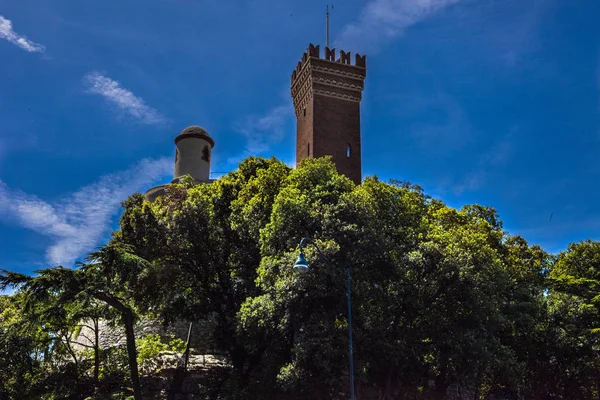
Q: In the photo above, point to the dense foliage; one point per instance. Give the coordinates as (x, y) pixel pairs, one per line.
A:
(446, 304)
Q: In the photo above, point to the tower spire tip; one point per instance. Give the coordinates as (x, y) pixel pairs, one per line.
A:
(327, 26)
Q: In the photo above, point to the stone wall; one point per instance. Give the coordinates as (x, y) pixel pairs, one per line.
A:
(110, 336)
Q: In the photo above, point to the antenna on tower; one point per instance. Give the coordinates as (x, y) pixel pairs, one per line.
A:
(327, 27)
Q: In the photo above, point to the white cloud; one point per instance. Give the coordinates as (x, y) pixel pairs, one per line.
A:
(7, 33)
(261, 132)
(383, 20)
(125, 100)
(76, 224)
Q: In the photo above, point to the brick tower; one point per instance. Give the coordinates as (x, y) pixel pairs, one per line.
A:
(327, 94)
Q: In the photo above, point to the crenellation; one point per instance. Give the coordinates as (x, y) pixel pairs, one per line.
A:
(329, 54)
(344, 57)
(296, 72)
(332, 78)
(360, 61)
(314, 51)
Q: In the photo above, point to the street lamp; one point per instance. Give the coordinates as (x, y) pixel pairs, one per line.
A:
(301, 265)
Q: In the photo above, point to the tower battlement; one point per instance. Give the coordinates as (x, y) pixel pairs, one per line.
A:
(327, 76)
(327, 93)
(329, 55)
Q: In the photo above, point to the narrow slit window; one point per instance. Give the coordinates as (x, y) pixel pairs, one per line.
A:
(348, 151)
(308, 150)
(206, 154)
(304, 111)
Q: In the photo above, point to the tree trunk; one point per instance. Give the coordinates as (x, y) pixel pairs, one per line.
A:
(96, 351)
(70, 350)
(477, 390)
(127, 315)
(132, 353)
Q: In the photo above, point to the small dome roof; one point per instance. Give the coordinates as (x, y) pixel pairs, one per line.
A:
(195, 132)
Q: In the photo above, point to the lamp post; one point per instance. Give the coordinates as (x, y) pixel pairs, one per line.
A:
(301, 265)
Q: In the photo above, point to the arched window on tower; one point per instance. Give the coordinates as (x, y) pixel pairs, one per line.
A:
(308, 150)
(206, 154)
(348, 151)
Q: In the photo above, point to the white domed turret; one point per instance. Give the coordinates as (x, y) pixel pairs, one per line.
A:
(194, 148)
(192, 157)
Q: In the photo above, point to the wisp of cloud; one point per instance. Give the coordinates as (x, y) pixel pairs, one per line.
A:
(261, 132)
(384, 20)
(125, 100)
(7, 33)
(76, 224)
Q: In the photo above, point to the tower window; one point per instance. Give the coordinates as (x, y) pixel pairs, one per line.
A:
(206, 154)
(348, 151)
(308, 150)
(304, 110)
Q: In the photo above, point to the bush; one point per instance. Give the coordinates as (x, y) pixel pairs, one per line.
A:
(151, 345)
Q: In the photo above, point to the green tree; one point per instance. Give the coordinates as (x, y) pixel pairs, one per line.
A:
(112, 277)
(574, 308)
(203, 240)
(443, 299)
(20, 356)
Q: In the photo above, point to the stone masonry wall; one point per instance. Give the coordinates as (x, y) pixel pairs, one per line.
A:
(109, 336)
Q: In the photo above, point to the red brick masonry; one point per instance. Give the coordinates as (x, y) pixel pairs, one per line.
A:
(327, 97)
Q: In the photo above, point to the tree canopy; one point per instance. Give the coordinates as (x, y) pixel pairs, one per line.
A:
(446, 303)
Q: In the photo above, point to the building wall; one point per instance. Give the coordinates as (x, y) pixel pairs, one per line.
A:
(337, 126)
(188, 159)
(111, 336)
(304, 135)
(327, 95)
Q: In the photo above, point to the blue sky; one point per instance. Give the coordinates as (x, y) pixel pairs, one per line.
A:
(494, 102)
